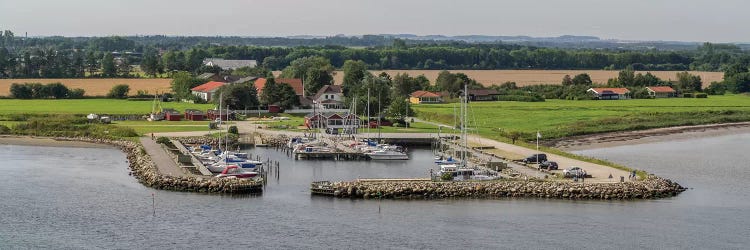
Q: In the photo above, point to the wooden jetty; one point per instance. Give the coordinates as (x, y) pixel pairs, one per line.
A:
(196, 163)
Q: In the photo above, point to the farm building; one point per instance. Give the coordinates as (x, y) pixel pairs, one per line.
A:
(421, 96)
(229, 64)
(194, 115)
(661, 92)
(482, 94)
(329, 97)
(609, 93)
(207, 90)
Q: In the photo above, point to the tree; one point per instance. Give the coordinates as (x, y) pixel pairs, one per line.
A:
(626, 77)
(173, 60)
(92, 62)
(270, 94)
(566, 81)
(399, 109)
(582, 79)
(182, 82)
(315, 71)
(108, 66)
(195, 58)
(151, 65)
(354, 72)
(123, 67)
(404, 85)
(21, 91)
(287, 98)
(238, 96)
(119, 91)
(689, 83)
(379, 94)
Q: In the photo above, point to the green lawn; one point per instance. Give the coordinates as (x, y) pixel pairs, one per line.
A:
(87, 106)
(559, 118)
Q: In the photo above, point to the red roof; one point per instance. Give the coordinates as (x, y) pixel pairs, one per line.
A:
(619, 91)
(208, 87)
(296, 84)
(662, 89)
(422, 93)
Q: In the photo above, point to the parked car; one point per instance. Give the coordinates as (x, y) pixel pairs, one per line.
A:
(535, 158)
(574, 171)
(548, 165)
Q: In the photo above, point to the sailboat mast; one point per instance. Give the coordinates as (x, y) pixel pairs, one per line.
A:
(464, 123)
(368, 115)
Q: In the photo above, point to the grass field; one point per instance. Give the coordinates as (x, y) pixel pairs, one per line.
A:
(560, 118)
(98, 86)
(87, 106)
(536, 77)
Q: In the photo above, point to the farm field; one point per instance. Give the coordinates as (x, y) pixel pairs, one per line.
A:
(536, 77)
(98, 86)
(560, 118)
(87, 106)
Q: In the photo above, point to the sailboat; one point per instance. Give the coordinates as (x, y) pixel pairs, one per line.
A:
(459, 170)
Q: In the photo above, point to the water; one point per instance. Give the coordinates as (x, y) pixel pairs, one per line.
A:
(83, 198)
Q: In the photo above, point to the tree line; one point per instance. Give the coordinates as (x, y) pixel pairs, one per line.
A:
(116, 56)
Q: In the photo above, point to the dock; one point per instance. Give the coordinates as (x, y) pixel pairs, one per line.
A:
(197, 164)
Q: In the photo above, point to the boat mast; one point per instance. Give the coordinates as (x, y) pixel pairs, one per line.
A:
(463, 123)
(368, 116)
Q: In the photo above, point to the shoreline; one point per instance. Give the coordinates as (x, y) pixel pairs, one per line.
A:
(622, 138)
(19, 140)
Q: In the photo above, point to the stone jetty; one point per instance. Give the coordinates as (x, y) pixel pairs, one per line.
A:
(651, 188)
(145, 170)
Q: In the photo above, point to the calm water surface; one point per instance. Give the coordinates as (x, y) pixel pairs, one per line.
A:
(54, 197)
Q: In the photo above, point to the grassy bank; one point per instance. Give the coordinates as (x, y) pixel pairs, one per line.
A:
(561, 118)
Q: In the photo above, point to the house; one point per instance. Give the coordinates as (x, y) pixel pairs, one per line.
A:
(661, 92)
(229, 64)
(483, 94)
(421, 96)
(207, 90)
(609, 93)
(329, 97)
(347, 121)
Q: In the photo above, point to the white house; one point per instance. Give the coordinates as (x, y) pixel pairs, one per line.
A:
(207, 90)
(329, 97)
(609, 93)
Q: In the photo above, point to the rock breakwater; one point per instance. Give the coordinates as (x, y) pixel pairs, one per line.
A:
(145, 170)
(651, 188)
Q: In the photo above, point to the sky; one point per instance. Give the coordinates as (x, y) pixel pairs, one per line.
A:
(653, 20)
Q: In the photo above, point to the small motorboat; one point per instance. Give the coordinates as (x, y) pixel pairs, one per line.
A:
(233, 171)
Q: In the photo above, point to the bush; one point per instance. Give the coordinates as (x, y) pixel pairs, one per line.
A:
(701, 95)
(687, 95)
(520, 98)
(76, 93)
(446, 177)
(21, 91)
(233, 130)
(119, 91)
(4, 130)
(57, 90)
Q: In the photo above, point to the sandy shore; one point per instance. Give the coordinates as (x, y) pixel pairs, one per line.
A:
(648, 136)
(47, 142)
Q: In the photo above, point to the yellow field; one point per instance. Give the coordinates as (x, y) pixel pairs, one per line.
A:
(96, 86)
(536, 77)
